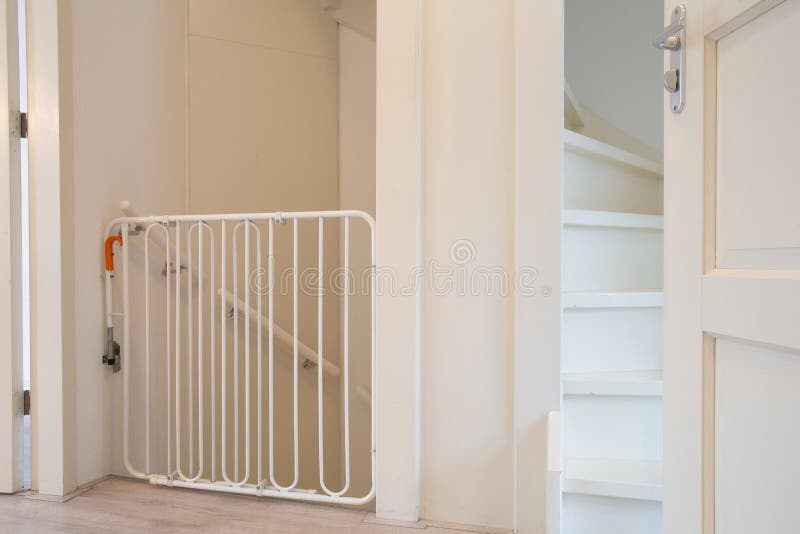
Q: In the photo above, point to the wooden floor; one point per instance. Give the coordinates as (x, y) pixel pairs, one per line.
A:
(117, 505)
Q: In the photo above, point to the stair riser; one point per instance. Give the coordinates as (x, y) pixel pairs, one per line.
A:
(613, 427)
(594, 184)
(605, 515)
(598, 340)
(615, 259)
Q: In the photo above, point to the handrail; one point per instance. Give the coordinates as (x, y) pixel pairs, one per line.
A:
(238, 306)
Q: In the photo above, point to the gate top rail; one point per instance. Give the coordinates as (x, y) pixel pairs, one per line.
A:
(277, 216)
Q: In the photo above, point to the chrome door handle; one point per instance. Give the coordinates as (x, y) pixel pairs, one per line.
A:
(671, 39)
(666, 38)
(672, 42)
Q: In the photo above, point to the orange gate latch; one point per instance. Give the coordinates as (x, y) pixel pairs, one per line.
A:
(110, 251)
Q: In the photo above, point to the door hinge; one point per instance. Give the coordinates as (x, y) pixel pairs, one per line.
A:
(23, 125)
(26, 402)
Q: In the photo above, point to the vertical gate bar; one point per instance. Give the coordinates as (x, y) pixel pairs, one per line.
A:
(213, 357)
(295, 364)
(346, 355)
(190, 342)
(373, 351)
(190, 352)
(236, 312)
(320, 357)
(271, 362)
(126, 355)
(235, 250)
(147, 345)
(177, 340)
(200, 399)
(260, 474)
(246, 279)
(147, 352)
(178, 348)
(271, 351)
(223, 356)
(167, 358)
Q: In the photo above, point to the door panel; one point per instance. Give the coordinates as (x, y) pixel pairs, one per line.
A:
(757, 438)
(732, 273)
(758, 223)
(755, 226)
(756, 306)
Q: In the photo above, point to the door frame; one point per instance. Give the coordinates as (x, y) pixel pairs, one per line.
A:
(11, 380)
(538, 229)
(684, 263)
(50, 152)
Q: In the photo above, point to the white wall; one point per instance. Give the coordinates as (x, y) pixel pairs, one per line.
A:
(357, 191)
(356, 15)
(397, 193)
(611, 66)
(468, 198)
(133, 151)
(129, 143)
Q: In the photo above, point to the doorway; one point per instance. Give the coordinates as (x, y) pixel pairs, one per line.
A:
(279, 119)
(612, 243)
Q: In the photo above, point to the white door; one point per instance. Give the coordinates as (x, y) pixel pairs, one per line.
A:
(732, 273)
(11, 418)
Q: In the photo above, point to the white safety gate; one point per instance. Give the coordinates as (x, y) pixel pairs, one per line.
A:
(208, 277)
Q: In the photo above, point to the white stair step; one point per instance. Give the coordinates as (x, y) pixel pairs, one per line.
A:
(612, 219)
(624, 384)
(612, 299)
(582, 144)
(625, 479)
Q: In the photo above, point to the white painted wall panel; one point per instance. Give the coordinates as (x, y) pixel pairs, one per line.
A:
(293, 26)
(129, 143)
(468, 194)
(357, 191)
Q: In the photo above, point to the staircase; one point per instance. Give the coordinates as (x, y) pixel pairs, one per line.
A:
(612, 347)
